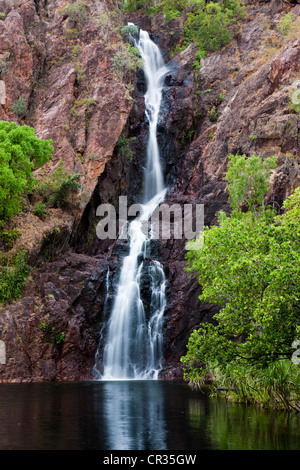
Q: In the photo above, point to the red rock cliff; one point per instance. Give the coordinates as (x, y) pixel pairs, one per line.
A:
(76, 98)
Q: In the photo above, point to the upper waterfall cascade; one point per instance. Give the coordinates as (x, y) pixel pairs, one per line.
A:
(133, 346)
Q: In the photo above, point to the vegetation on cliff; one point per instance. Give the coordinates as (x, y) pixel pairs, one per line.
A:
(206, 24)
(249, 266)
(21, 152)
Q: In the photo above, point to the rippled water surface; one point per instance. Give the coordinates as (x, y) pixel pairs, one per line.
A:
(135, 415)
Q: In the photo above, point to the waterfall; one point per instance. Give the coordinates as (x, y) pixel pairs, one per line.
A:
(134, 340)
(155, 72)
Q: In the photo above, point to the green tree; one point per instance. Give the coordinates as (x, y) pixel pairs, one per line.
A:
(249, 266)
(21, 152)
(248, 180)
(207, 23)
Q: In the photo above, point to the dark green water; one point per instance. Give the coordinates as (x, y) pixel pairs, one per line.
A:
(150, 415)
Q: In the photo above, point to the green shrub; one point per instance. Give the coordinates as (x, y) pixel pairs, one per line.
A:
(20, 106)
(68, 185)
(124, 148)
(207, 23)
(172, 8)
(20, 153)
(40, 210)
(126, 61)
(84, 102)
(199, 56)
(134, 5)
(51, 335)
(128, 31)
(71, 33)
(212, 114)
(8, 237)
(76, 12)
(248, 181)
(56, 189)
(76, 51)
(13, 277)
(285, 24)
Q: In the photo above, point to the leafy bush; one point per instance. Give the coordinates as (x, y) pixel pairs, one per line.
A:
(207, 23)
(20, 106)
(134, 5)
(124, 148)
(171, 8)
(7, 237)
(76, 12)
(199, 56)
(88, 103)
(71, 33)
(20, 153)
(285, 24)
(40, 210)
(55, 189)
(68, 185)
(248, 180)
(128, 31)
(126, 61)
(12, 278)
(212, 114)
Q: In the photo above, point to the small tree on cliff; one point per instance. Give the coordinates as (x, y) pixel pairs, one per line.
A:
(21, 152)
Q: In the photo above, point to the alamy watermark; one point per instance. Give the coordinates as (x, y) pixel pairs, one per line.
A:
(154, 221)
(296, 354)
(295, 98)
(2, 352)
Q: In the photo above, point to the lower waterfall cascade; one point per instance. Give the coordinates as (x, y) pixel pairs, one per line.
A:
(133, 342)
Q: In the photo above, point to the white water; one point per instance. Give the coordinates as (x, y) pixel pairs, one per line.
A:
(155, 72)
(134, 344)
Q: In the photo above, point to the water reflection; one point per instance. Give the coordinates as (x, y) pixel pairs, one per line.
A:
(135, 415)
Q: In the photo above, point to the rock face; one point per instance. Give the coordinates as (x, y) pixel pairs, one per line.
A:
(50, 333)
(60, 62)
(237, 101)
